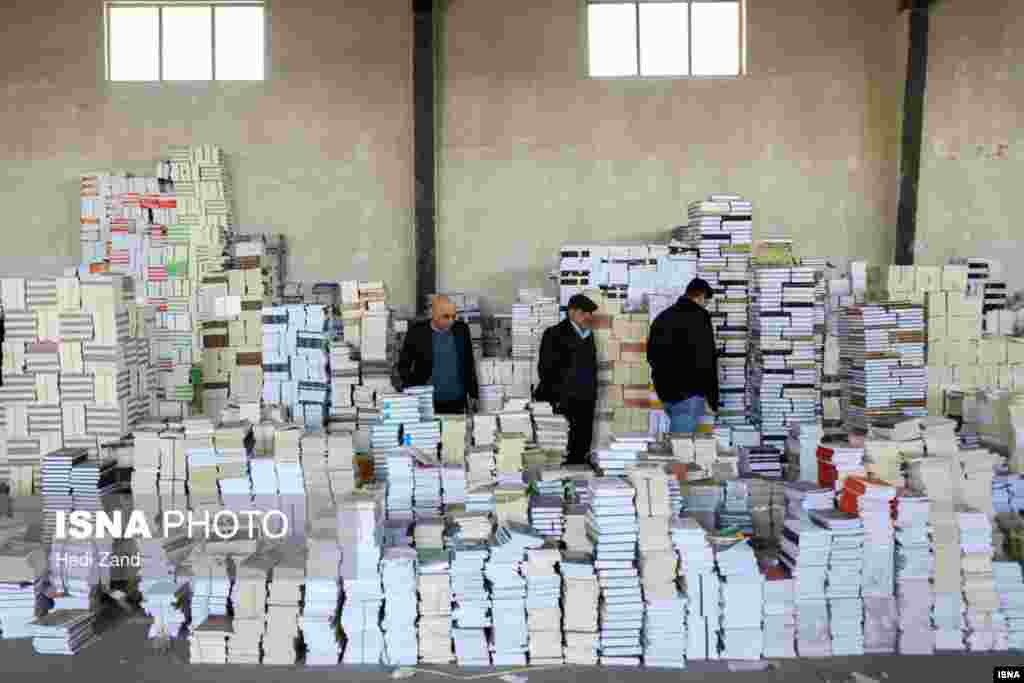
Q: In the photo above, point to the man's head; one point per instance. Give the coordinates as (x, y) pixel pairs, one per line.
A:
(442, 312)
(699, 291)
(581, 311)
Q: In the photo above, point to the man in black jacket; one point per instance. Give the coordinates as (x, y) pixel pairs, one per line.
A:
(439, 351)
(684, 358)
(568, 374)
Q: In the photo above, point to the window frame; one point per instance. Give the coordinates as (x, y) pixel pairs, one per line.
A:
(638, 76)
(159, 6)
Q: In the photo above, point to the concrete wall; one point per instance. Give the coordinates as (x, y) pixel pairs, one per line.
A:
(972, 163)
(533, 154)
(322, 151)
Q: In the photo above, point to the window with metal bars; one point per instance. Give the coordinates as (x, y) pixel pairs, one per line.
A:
(185, 41)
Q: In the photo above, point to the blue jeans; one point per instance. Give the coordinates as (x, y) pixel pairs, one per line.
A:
(684, 416)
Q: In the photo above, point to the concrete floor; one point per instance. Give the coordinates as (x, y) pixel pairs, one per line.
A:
(123, 654)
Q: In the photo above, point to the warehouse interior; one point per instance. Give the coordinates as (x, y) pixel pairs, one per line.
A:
(471, 174)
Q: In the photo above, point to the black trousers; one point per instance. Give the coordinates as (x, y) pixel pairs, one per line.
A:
(580, 414)
(450, 407)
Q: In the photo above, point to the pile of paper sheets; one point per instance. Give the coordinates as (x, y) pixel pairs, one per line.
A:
(543, 612)
(580, 592)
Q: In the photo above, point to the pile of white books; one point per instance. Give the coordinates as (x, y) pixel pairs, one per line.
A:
(211, 586)
(480, 464)
(543, 612)
(721, 229)
(882, 360)
(400, 478)
(742, 596)
(453, 439)
(208, 641)
(785, 383)
(580, 591)
(453, 485)
(160, 601)
(509, 459)
(802, 446)
(986, 626)
(874, 507)
(398, 576)
(471, 603)
(470, 527)
(17, 603)
(358, 534)
(429, 533)
(546, 515)
(509, 636)
(574, 533)
(915, 566)
(426, 491)
(805, 549)
(284, 594)
(434, 629)
(425, 395)
(845, 578)
(485, 428)
(779, 618)
(1010, 585)
(249, 599)
(701, 585)
(614, 529)
(803, 496)
(551, 431)
(63, 632)
(621, 453)
(321, 600)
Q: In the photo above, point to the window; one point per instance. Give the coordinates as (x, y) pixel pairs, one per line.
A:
(664, 38)
(185, 41)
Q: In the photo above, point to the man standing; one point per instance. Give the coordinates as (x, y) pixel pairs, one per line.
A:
(568, 374)
(440, 352)
(684, 359)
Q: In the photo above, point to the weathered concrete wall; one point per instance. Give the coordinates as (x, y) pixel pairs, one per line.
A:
(533, 154)
(322, 151)
(972, 164)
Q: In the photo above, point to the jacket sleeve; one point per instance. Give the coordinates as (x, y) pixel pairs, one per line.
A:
(657, 342)
(547, 366)
(405, 359)
(472, 387)
(714, 397)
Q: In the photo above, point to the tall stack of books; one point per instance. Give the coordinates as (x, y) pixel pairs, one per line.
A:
(721, 230)
(742, 595)
(883, 363)
(543, 613)
(509, 635)
(785, 383)
(321, 599)
(779, 618)
(845, 578)
(805, 547)
(580, 592)
(284, 595)
(434, 628)
(1009, 583)
(470, 603)
(701, 585)
(613, 527)
(915, 566)
(398, 576)
(986, 626)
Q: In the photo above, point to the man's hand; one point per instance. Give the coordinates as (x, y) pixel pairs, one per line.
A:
(471, 404)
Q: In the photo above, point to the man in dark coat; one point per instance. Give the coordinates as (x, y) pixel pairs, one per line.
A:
(568, 374)
(683, 357)
(439, 351)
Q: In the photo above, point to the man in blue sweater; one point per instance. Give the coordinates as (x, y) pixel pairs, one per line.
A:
(440, 352)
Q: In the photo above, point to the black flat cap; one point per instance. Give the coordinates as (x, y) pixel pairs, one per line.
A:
(582, 303)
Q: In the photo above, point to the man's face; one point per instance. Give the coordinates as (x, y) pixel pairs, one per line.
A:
(700, 299)
(582, 318)
(443, 316)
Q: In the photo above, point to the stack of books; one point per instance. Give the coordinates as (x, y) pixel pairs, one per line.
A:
(802, 449)
(546, 515)
(471, 603)
(613, 528)
(398, 577)
(580, 592)
(1009, 583)
(804, 550)
(509, 459)
(551, 431)
(742, 596)
(453, 439)
(429, 533)
(426, 491)
(434, 629)
(321, 599)
(211, 586)
(63, 632)
(621, 453)
(845, 578)
(785, 382)
(543, 613)
(574, 534)
(509, 636)
(915, 566)
(882, 358)
(779, 618)
(453, 485)
(480, 466)
(701, 586)
(284, 595)
(400, 468)
(721, 230)
(249, 599)
(360, 612)
(208, 641)
(485, 428)
(986, 626)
